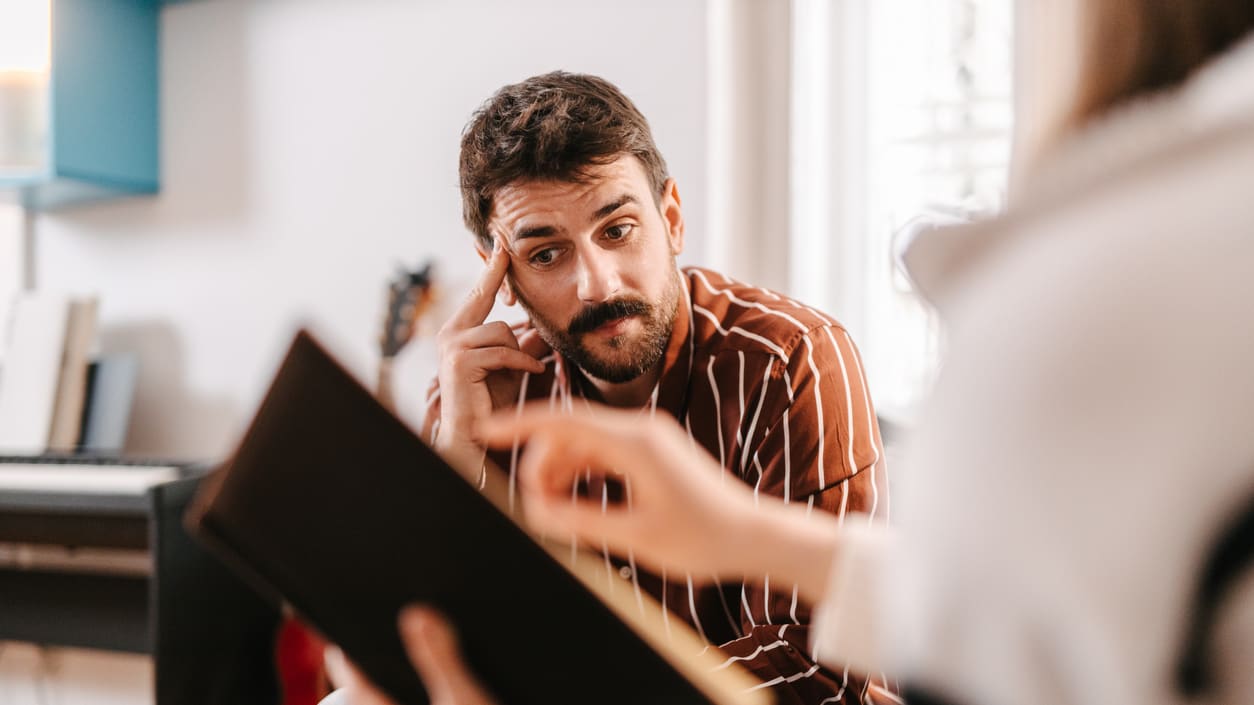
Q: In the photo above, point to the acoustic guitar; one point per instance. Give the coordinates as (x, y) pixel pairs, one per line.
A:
(410, 296)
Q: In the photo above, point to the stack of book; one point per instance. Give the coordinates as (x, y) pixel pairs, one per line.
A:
(54, 397)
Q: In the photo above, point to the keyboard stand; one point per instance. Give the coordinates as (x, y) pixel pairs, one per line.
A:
(211, 637)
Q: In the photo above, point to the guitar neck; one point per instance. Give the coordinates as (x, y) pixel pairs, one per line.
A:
(383, 384)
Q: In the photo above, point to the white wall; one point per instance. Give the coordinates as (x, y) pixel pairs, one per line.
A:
(311, 145)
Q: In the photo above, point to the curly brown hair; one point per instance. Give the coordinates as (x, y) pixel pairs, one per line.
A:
(550, 127)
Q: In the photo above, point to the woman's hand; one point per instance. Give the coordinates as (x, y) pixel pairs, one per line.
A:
(682, 511)
(433, 649)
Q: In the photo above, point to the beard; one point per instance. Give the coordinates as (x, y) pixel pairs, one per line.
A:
(628, 356)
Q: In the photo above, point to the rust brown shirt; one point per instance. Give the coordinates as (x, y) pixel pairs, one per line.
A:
(774, 390)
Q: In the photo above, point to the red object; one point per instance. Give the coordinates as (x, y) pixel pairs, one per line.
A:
(299, 659)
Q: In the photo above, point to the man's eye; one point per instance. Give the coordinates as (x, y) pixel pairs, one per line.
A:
(618, 232)
(544, 257)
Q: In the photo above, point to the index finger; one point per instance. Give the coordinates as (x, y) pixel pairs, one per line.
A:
(482, 295)
(600, 436)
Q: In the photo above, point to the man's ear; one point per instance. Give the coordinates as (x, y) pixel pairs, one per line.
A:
(506, 292)
(673, 216)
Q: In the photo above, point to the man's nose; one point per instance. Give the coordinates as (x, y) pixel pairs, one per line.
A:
(599, 278)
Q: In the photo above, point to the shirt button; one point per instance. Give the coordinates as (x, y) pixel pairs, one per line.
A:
(625, 572)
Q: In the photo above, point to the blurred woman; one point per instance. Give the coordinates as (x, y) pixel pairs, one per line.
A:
(1089, 435)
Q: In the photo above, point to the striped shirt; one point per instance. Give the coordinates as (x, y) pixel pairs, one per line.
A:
(774, 390)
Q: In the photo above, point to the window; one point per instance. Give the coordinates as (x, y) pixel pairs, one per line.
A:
(912, 110)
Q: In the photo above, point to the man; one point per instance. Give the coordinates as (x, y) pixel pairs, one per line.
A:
(579, 222)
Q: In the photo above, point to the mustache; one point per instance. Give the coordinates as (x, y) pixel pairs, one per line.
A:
(595, 316)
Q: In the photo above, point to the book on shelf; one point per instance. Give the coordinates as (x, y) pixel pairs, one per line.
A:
(44, 374)
(111, 381)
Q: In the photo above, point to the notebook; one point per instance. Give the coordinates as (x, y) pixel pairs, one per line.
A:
(336, 506)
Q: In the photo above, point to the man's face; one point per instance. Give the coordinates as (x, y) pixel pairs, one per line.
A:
(593, 264)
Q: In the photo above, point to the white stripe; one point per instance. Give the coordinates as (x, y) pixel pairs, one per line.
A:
(757, 485)
(788, 462)
(692, 330)
(844, 374)
(840, 694)
(692, 609)
(748, 304)
(792, 302)
(753, 425)
(756, 652)
(735, 623)
(866, 394)
(818, 407)
(513, 456)
(885, 693)
(556, 383)
(787, 443)
(718, 416)
(737, 329)
(666, 613)
(792, 611)
(766, 292)
(555, 395)
(870, 421)
(631, 553)
(844, 503)
(786, 679)
(605, 547)
(426, 414)
(574, 539)
(740, 442)
(744, 601)
(766, 598)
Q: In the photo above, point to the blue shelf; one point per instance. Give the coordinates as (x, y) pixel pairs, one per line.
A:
(104, 131)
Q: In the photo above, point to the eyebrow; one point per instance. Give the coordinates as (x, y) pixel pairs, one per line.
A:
(536, 231)
(539, 231)
(613, 206)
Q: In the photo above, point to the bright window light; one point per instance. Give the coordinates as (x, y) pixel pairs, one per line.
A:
(25, 36)
(25, 62)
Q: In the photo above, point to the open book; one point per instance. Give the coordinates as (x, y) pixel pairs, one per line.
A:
(336, 506)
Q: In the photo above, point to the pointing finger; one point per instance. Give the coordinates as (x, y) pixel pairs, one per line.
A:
(482, 296)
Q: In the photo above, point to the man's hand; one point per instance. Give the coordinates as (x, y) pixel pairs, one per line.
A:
(480, 363)
(433, 650)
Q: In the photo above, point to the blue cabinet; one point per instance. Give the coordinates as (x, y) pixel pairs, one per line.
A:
(98, 105)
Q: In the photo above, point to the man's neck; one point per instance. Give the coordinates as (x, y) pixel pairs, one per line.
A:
(628, 395)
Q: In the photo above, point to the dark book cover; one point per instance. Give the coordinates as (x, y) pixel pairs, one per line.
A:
(336, 506)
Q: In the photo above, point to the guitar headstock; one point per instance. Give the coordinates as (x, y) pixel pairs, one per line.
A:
(410, 295)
